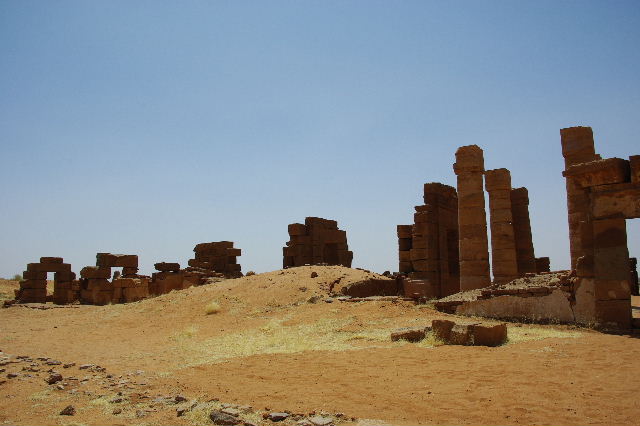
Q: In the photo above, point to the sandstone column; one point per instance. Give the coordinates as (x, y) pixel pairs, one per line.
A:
(503, 244)
(578, 147)
(525, 254)
(472, 220)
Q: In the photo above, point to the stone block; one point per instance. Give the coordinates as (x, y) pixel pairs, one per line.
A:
(33, 295)
(234, 252)
(577, 142)
(410, 334)
(612, 289)
(418, 254)
(97, 284)
(167, 267)
(600, 172)
(405, 266)
(297, 229)
(117, 260)
(95, 272)
(404, 256)
(442, 329)
(611, 263)
(420, 288)
(233, 268)
(404, 244)
(469, 158)
(50, 260)
(49, 267)
(426, 265)
(64, 276)
(129, 271)
(474, 268)
(34, 275)
(404, 231)
(489, 335)
(498, 179)
(33, 284)
(474, 199)
(614, 314)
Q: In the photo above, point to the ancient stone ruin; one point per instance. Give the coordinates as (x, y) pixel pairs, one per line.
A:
(318, 241)
(96, 289)
(98, 286)
(218, 258)
(428, 249)
(33, 288)
(601, 195)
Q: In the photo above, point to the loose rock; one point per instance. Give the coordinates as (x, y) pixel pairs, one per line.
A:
(220, 418)
(277, 417)
(54, 378)
(69, 410)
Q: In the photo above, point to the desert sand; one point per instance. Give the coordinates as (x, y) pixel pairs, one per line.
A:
(275, 342)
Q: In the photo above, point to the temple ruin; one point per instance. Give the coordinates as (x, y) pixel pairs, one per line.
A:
(428, 249)
(318, 241)
(33, 287)
(601, 195)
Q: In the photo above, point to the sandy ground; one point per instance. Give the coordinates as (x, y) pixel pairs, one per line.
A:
(268, 347)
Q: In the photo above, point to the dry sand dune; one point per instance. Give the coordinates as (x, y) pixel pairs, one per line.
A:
(260, 341)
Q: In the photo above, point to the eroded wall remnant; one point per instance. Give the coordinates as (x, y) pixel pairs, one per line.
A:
(33, 287)
(428, 249)
(317, 241)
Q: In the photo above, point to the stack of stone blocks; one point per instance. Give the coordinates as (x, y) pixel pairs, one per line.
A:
(33, 288)
(170, 277)
(96, 289)
(216, 258)
(317, 241)
(601, 195)
(428, 249)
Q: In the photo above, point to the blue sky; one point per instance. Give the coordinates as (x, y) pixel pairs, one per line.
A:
(147, 127)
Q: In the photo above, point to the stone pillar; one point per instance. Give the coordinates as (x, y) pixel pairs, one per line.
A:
(525, 255)
(472, 219)
(611, 269)
(578, 147)
(503, 244)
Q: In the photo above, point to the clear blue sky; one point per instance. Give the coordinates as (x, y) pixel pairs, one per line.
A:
(147, 127)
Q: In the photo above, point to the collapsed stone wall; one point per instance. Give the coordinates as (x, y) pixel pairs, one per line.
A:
(216, 259)
(317, 241)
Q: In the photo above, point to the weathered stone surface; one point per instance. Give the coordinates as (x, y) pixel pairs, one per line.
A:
(410, 334)
(69, 410)
(318, 241)
(469, 334)
(220, 418)
(599, 172)
(278, 417)
(167, 267)
(554, 306)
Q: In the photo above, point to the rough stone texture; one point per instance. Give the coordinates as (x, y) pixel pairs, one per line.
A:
(318, 241)
(503, 244)
(167, 267)
(373, 287)
(220, 418)
(419, 289)
(410, 334)
(472, 221)
(554, 306)
(543, 264)
(478, 334)
(633, 276)
(216, 259)
(525, 254)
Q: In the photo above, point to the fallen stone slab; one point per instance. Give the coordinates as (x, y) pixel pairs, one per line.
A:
(410, 334)
(469, 334)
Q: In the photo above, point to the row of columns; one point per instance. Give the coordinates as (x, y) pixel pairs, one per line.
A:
(512, 251)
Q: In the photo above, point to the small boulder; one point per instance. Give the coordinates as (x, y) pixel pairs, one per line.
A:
(54, 378)
(69, 410)
(314, 274)
(220, 418)
(278, 417)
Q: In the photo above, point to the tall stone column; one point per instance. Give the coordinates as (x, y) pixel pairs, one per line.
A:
(525, 254)
(578, 147)
(503, 244)
(472, 219)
